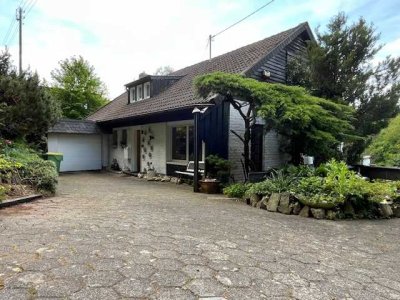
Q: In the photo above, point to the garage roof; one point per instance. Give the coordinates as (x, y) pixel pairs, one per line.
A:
(75, 126)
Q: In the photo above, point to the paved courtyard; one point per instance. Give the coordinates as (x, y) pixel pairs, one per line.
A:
(105, 236)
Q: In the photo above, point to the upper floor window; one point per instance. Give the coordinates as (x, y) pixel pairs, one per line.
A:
(132, 95)
(139, 92)
(115, 139)
(147, 90)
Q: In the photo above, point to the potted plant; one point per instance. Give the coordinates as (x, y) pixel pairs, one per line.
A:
(217, 171)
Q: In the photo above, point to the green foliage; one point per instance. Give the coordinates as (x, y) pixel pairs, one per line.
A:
(3, 192)
(78, 88)
(21, 165)
(279, 182)
(312, 125)
(339, 66)
(218, 168)
(27, 110)
(236, 190)
(385, 148)
(41, 174)
(339, 185)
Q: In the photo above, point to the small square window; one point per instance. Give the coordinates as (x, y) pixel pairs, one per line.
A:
(132, 95)
(124, 138)
(115, 138)
(147, 90)
(139, 92)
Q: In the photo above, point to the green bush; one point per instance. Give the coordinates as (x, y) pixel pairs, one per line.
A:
(379, 191)
(218, 168)
(385, 148)
(236, 190)
(341, 184)
(3, 192)
(41, 174)
(320, 201)
(19, 164)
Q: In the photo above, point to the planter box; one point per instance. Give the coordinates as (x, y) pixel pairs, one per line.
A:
(209, 187)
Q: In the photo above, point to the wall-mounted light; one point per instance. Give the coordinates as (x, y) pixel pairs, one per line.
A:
(266, 74)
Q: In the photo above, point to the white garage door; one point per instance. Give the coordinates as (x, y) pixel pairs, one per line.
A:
(82, 152)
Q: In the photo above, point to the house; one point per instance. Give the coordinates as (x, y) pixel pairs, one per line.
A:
(151, 124)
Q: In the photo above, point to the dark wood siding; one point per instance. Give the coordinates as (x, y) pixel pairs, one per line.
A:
(277, 64)
(160, 85)
(257, 145)
(214, 130)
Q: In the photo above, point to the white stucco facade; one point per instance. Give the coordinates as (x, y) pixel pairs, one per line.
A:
(81, 152)
(154, 148)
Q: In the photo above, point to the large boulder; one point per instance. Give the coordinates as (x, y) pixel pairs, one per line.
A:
(263, 203)
(331, 215)
(318, 213)
(273, 202)
(254, 199)
(305, 212)
(284, 204)
(396, 211)
(296, 208)
(385, 209)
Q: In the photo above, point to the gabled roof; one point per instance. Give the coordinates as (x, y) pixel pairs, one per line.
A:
(182, 94)
(75, 126)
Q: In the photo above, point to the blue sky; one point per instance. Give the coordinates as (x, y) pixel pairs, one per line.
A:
(122, 38)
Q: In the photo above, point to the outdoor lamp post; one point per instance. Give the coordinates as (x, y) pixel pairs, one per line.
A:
(196, 112)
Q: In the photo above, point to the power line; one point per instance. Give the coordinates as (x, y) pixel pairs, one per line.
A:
(10, 28)
(30, 8)
(234, 24)
(26, 4)
(12, 36)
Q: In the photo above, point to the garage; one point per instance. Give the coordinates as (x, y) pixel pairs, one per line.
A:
(80, 141)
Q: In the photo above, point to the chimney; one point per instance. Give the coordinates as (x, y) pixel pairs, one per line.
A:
(143, 74)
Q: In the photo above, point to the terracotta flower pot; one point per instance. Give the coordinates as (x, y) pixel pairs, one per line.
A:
(209, 186)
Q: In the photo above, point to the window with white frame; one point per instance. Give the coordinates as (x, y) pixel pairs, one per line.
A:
(139, 92)
(146, 90)
(182, 143)
(132, 95)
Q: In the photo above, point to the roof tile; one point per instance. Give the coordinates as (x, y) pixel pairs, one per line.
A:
(182, 93)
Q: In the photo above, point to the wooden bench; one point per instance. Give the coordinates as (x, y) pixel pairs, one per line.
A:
(190, 169)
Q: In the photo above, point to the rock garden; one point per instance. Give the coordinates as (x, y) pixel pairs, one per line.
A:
(331, 191)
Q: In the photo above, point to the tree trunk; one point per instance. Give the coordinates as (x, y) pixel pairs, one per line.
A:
(246, 149)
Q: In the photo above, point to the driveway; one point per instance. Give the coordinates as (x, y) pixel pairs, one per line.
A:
(107, 236)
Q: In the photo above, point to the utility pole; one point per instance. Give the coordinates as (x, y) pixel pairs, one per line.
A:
(209, 42)
(19, 19)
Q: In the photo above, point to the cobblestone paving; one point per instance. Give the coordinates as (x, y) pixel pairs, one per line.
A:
(110, 237)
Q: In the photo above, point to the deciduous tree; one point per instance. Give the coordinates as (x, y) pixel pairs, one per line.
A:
(78, 88)
(385, 148)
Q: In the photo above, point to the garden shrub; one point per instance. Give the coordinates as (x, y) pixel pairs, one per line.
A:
(218, 168)
(19, 164)
(236, 190)
(41, 174)
(341, 184)
(3, 192)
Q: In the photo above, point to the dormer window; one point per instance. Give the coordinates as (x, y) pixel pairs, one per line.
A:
(139, 92)
(147, 90)
(132, 95)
